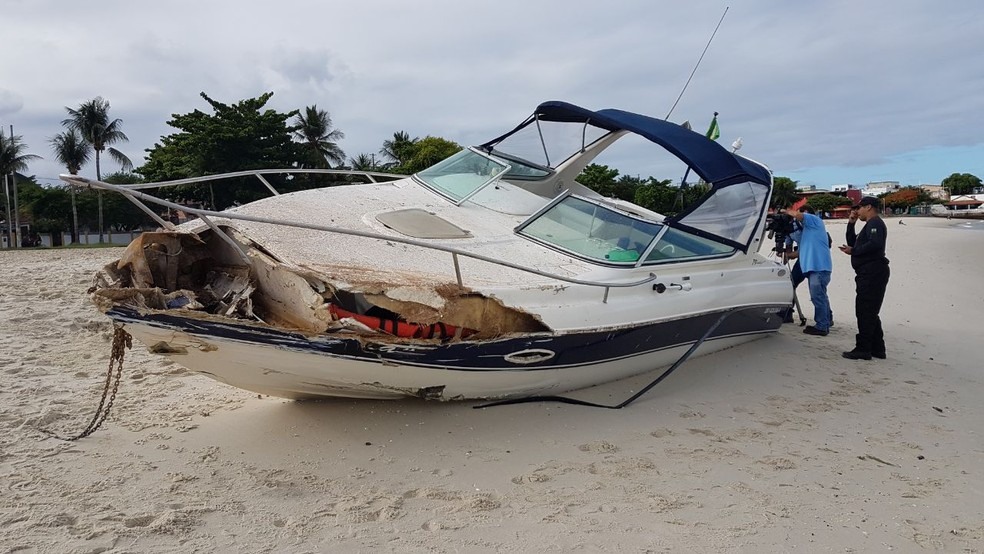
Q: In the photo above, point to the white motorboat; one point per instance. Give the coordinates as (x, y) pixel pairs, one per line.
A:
(492, 274)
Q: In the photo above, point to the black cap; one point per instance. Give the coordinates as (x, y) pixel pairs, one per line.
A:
(870, 201)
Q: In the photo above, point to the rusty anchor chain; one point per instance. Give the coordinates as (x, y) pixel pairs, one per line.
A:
(122, 341)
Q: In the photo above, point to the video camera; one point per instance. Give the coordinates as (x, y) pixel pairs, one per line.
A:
(780, 226)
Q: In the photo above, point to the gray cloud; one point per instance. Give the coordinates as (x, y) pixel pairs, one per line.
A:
(10, 102)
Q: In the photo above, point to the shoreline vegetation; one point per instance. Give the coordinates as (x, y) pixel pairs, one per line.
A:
(232, 137)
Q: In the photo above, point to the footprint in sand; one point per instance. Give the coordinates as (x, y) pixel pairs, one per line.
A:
(777, 463)
(138, 521)
(530, 478)
(604, 447)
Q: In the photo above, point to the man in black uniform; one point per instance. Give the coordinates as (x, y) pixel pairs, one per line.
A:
(867, 251)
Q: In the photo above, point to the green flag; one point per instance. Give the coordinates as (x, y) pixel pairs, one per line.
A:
(713, 132)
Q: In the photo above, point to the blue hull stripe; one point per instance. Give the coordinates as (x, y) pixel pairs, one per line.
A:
(569, 349)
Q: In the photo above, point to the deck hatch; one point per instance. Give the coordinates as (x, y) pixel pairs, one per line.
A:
(421, 224)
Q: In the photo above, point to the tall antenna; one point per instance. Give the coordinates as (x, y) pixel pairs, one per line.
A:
(726, 8)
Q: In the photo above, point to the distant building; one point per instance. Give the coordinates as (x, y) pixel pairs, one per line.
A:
(842, 188)
(877, 188)
(937, 192)
(852, 194)
(806, 188)
(968, 198)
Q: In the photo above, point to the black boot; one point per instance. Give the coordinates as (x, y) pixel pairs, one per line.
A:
(857, 355)
(878, 351)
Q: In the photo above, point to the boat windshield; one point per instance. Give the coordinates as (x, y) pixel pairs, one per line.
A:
(676, 245)
(544, 145)
(591, 231)
(460, 176)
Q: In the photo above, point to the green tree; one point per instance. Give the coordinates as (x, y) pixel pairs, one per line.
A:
(126, 215)
(72, 151)
(783, 193)
(87, 203)
(13, 159)
(50, 207)
(653, 194)
(625, 188)
(52, 211)
(662, 197)
(12, 155)
(825, 202)
(427, 152)
(237, 137)
(658, 197)
(363, 162)
(47, 208)
(314, 130)
(961, 183)
(398, 150)
(601, 179)
(92, 121)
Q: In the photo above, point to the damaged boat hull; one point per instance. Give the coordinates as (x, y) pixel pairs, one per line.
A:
(297, 366)
(492, 274)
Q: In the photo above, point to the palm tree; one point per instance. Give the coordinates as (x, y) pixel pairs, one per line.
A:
(399, 150)
(314, 129)
(363, 162)
(13, 158)
(92, 121)
(72, 151)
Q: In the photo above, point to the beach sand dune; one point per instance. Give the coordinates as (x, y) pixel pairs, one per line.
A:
(768, 447)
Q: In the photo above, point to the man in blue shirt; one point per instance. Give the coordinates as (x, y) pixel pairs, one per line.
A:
(791, 253)
(815, 262)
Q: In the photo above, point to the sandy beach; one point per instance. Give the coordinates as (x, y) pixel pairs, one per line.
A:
(774, 446)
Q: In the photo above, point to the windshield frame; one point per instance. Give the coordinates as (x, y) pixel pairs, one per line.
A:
(520, 163)
(610, 215)
(425, 178)
(664, 248)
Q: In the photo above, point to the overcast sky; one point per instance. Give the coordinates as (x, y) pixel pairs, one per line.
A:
(825, 92)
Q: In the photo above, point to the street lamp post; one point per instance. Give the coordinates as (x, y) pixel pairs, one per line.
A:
(6, 190)
(13, 180)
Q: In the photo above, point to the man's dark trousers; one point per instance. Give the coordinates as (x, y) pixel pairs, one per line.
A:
(870, 295)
